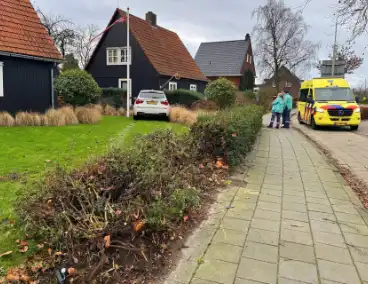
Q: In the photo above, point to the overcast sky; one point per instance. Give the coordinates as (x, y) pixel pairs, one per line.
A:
(211, 20)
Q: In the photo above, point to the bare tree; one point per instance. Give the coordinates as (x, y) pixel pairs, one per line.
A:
(347, 54)
(354, 13)
(85, 43)
(280, 40)
(60, 29)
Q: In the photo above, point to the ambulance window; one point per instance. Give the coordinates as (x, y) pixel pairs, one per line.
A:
(303, 95)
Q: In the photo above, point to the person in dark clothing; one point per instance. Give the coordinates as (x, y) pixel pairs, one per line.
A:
(288, 106)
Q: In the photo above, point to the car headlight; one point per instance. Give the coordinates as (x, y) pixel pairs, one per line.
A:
(321, 110)
(357, 110)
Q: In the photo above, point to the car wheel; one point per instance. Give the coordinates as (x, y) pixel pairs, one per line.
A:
(135, 117)
(354, 128)
(300, 119)
(313, 123)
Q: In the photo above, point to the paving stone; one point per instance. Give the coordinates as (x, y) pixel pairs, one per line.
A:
(299, 271)
(296, 237)
(235, 224)
(288, 281)
(240, 213)
(313, 186)
(325, 226)
(316, 194)
(359, 254)
(345, 208)
(246, 198)
(363, 270)
(271, 192)
(265, 225)
(294, 207)
(324, 281)
(294, 199)
(255, 270)
(320, 216)
(244, 281)
(295, 225)
(349, 218)
(217, 271)
(356, 240)
(354, 228)
(243, 205)
(338, 272)
(318, 200)
(261, 252)
(200, 281)
(269, 206)
(319, 208)
(272, 186)
(229, 237)
(294, 193)
(295, 215)
(333, 253)
(184, 272)
(268, 215)
(329, 239)
(225, 252)
(270, 198)
(340, 201)
(295, 251)
(263, 236)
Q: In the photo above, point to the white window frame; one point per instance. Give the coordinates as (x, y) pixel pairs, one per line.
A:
(173, 86)
(250, 58)
(126, 80)
(121, 53)
(1, 79)
(288, 84)
(193, 87)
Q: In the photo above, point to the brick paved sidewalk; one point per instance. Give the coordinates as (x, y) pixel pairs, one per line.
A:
(294, 222)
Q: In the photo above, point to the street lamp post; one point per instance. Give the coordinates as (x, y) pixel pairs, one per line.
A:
(334, 50)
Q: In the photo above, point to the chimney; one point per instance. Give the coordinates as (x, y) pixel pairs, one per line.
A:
(151, 18)
(247, 37)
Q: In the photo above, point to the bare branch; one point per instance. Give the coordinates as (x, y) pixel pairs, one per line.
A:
(354, 14)
(84, 46)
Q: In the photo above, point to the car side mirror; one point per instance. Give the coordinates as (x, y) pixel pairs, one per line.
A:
(357, 99)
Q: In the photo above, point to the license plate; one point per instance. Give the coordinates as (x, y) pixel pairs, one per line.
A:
(152, 102)
(341, 123)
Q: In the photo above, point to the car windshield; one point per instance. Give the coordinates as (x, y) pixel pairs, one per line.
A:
(152, 95)
(333, 94)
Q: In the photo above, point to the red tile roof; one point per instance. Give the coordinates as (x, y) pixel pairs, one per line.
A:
(21, 31)
(164, 49)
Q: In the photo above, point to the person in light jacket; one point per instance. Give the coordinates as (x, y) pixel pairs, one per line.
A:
(288, 99)
(278, 106)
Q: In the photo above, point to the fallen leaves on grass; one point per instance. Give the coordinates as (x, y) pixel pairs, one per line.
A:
(23, 249)
(17, 274)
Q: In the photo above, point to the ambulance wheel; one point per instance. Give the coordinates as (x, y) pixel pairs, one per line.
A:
(313, 123)
(300, 119)
(354, 128)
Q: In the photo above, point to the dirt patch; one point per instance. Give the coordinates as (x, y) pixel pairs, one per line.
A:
(359, 186)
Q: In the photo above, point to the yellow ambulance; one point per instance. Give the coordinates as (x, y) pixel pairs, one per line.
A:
(328, 102)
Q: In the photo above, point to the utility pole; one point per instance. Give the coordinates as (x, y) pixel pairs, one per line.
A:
(334, 50)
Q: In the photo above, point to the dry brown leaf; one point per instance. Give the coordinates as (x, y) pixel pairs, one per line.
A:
(49, 251)
(59, 253)
(6, 253)
(71, 270)
(138, 225)
(40, 246)
(186, 218)
(23, 249)
(107, 240)
(23, 243)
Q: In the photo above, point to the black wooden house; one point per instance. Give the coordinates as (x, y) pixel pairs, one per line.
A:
(28, 59)
(157, 54)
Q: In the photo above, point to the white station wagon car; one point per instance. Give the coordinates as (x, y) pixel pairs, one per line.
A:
(151, 102)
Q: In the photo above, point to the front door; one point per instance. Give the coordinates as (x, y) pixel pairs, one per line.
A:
(123, 84)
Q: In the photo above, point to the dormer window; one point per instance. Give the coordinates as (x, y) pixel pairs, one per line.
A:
(118, 56)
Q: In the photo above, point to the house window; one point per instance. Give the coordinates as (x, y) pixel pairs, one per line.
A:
(274, 84)
(1, 79)
(247, 57)
(193, 87)
(173, 86)
(250, 58)
(118, 56)
(123, 84)
(288, 84)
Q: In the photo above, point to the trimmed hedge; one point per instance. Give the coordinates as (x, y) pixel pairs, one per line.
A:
(113, 96)
(183, 97)
(228, 134)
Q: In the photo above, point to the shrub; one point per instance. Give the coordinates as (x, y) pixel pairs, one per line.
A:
(229, 134)
(221, 91)
(77, 87)
(97, 107)
(70, 116)
(113, 96)
(364, 112)
(88, 115)
(27, 119)
(44, 120)
(182, 115)
(6, 119)
(110, 111)
(242, 99)
(204, 105)
(183, 97)
(55, 118)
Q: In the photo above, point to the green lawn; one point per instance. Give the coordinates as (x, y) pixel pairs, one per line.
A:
(26, 152)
